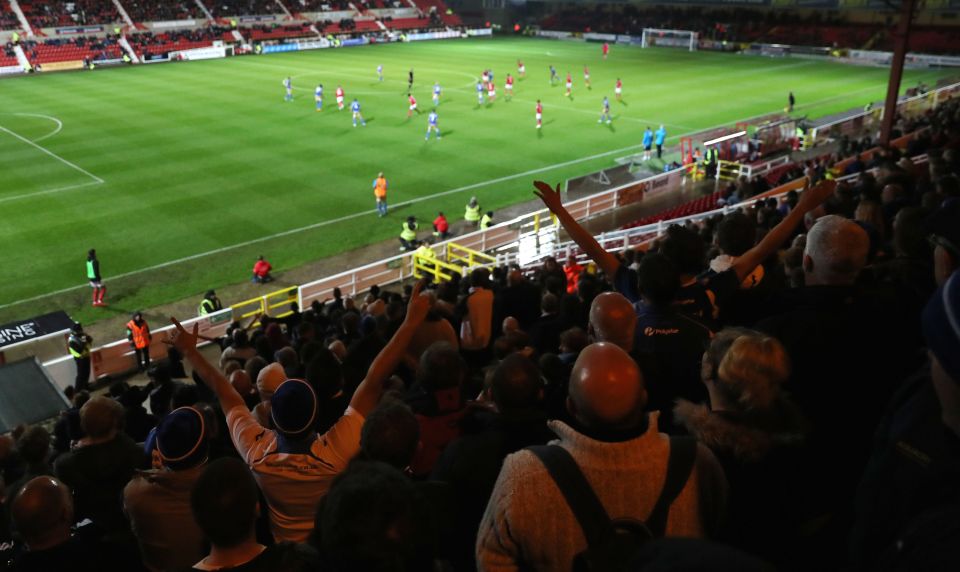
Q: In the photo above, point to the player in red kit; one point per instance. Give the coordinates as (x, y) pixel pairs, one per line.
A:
(339, 98)
(413, 105)
(491, 91)
(569, 84)
(606, 50)
(521, 69)
(539, 114)
(618, 90)
(508, 86)
(586, 77)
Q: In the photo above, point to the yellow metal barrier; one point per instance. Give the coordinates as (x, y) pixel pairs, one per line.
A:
(248, 308)
(468, 256)
(280, 299)
(264, 304)
(434, 267)
(728, 170)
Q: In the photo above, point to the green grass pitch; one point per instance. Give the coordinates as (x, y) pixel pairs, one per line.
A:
(179, 175)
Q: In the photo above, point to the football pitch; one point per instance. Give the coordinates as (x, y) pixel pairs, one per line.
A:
(180, 175)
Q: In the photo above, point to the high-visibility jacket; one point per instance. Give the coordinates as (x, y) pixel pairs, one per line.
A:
(208, 306)
(408, 231)
(472, 214)
(139, 336)
(380, 187)
(93, 269)
(486, 221)
(79, 346)
(711, 156)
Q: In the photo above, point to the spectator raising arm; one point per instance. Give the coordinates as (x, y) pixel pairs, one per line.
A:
(607, 261)
(744, 265)
(368, 394)
(810, 199)
(186, 344)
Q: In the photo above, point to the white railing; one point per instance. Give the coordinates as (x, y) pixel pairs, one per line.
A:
(914, 103)
(525, 239)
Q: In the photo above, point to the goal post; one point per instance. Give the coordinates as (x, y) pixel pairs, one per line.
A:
(669, 38)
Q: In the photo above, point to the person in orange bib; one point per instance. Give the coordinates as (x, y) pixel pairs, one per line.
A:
(138, 334)
(380, 193)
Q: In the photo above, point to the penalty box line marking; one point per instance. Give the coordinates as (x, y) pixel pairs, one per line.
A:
(332, 221)
(95, 179)
(360, 214)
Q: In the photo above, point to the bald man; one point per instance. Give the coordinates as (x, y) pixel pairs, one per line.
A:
(849, 348)
(613, 319)
(528, 524)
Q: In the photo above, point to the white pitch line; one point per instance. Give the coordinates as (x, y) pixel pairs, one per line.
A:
(359, 214)
(52, 154)
(50, 191)
(41, 116)
(56, 130)
(331, 221)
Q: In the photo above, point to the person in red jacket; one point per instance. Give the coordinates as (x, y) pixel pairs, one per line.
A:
(441, 228)
(138, 334)
(261, 271)
(572, 270)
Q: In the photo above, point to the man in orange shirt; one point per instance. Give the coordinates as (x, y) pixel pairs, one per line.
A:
(138, 334)
(380, 192)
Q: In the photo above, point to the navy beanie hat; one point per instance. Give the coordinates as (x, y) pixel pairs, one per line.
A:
(293, 407)
(182, 439)
(941, 325)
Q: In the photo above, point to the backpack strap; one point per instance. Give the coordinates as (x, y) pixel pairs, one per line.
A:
(683, 454)
(576, 490)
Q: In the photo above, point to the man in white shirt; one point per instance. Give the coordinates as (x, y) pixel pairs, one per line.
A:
(292, 464)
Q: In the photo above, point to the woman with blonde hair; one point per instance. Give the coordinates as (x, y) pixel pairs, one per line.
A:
(757, 434)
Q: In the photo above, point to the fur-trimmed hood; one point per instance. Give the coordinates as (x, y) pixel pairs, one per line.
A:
(743, 437)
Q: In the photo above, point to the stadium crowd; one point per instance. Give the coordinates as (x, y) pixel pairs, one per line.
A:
(724, 23)
(56, 13)
(152, 11)
(779, 385)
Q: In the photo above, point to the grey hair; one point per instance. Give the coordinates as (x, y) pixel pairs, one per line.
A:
(838, 248)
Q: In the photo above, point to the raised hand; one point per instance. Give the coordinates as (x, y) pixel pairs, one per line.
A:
(181, 339)
(549, 195)
(419, 304)
(815, 195)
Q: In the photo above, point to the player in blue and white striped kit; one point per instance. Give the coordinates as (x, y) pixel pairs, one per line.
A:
(436, 94)
(318, 96)
(288, 85)
(355, 108)
(432, 125)
(380, 72)
(479, 93)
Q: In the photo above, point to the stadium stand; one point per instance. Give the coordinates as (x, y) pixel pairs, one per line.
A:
(8, 20)
(800, 353)
(7, 57)
(748, 25)
(835, 292)
(225, 8)
(158, 44)
(74, 49)
(59, 13)
(156, 11)
(278, 32)
(440, 8)
(297, 6)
